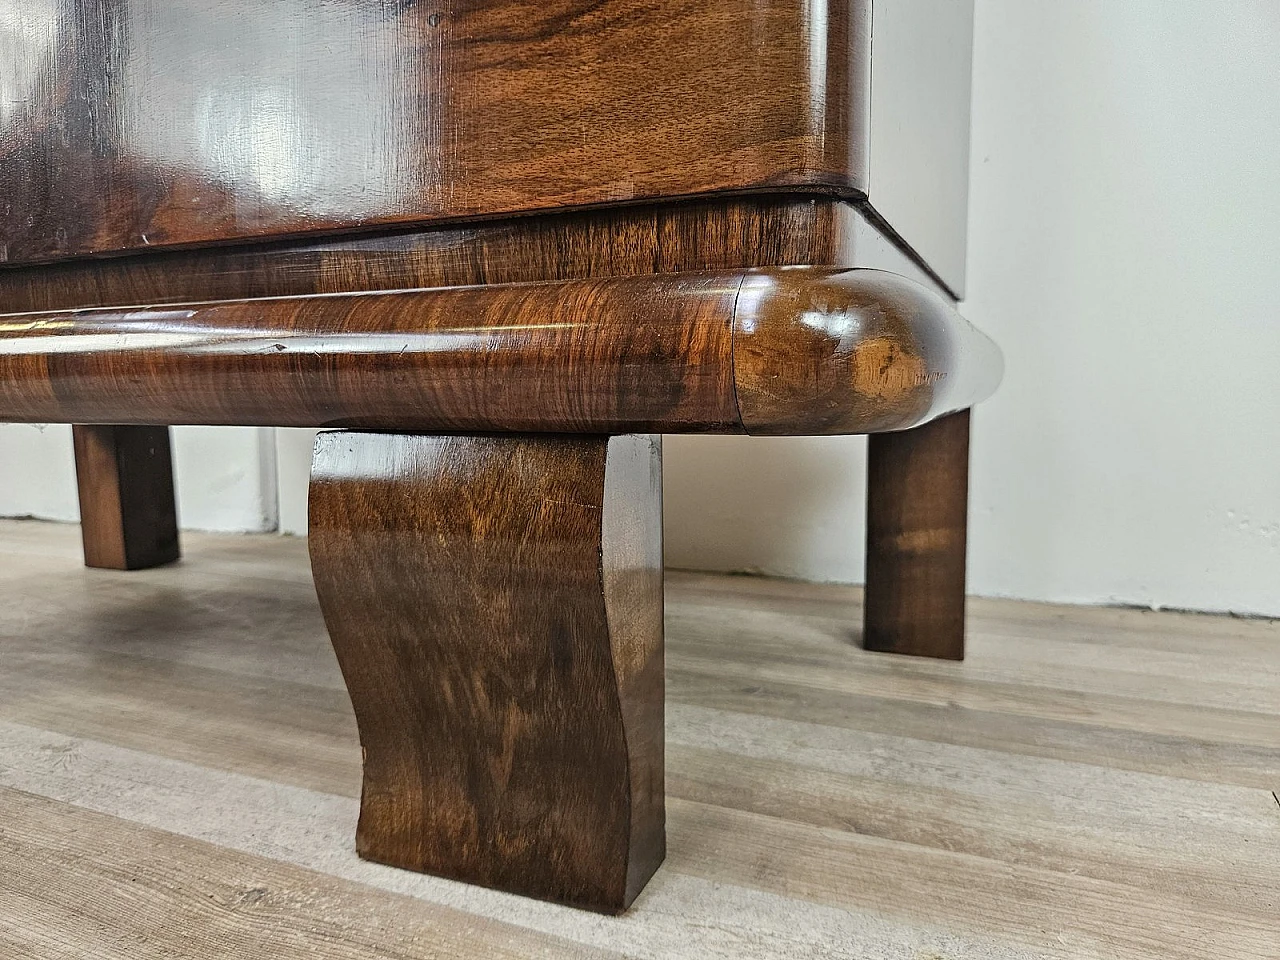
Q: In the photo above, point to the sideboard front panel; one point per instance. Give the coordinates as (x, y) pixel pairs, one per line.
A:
(128, 124)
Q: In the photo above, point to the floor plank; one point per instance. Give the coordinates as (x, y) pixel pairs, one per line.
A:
(1088, 783)
(71, 876)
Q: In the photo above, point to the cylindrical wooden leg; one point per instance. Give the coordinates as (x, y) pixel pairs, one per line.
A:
(128, 518)
(917, 517)
(496, 606)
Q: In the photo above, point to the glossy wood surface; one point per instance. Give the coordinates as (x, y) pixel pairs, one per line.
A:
(128, 514)
(856, 351)
(730, 233)
(917, 525)
(582, 356)
(801, 351)
(127, 125)
(496, 607)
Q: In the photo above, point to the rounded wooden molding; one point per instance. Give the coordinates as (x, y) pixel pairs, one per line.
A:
(852, 351)
(797, 350)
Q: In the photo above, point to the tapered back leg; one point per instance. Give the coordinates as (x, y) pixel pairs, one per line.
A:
(128, 515)
(917, 522)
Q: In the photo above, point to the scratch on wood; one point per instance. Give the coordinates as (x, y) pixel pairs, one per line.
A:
(570, 503)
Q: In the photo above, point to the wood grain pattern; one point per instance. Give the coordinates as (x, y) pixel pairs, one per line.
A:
(176, 122)
(800, 351)
(70, 875)
(859, 351)
(917, 523)
(128, 513)
(1089, 782)
(581, 356)
(496, 607)
(729, 233)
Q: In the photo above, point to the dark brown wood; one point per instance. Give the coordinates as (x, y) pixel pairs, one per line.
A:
(852, 351)
(597, 356)
(128, 517)
(797, 351)
(725, 234)
(917, 521)
(496, 607)
(731, 233)
(182, 122)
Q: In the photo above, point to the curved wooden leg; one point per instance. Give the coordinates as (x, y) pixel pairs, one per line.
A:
(128, 518)
(917, 518)
(496, 607)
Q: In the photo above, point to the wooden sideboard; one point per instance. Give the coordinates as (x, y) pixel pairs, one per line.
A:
(494, 247)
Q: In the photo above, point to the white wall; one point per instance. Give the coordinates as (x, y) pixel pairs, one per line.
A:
(1124, 249)
(37, 472)
(293, 460)
(226, 476)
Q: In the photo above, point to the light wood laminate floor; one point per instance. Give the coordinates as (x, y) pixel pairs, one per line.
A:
(179, 773)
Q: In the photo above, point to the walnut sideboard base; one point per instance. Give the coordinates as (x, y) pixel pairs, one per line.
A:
(486, 519)
(495, 602)
(499, 235)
